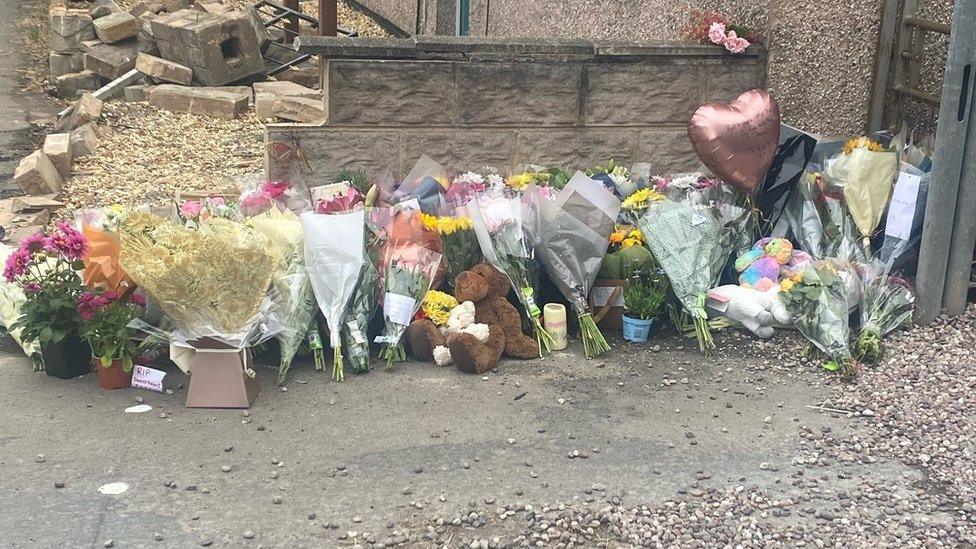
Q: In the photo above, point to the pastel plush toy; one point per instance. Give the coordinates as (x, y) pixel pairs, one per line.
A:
(769, 262)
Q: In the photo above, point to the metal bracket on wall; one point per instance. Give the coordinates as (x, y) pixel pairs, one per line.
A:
(281, 25)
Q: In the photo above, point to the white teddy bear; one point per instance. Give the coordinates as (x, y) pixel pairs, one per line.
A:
(757, 311)
(461, 321)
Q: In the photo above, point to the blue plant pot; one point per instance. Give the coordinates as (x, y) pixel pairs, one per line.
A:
(637, 330)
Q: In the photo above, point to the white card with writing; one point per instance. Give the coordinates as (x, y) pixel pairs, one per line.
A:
(901, 212)
(602, 294)
(399, 308)
(148, 378)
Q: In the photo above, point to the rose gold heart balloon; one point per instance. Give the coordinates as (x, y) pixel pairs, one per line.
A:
(737, 141)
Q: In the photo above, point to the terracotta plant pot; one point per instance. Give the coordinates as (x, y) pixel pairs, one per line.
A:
(113, 377)
(67, 359)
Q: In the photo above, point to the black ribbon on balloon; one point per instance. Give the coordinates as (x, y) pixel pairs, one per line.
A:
(792, 156)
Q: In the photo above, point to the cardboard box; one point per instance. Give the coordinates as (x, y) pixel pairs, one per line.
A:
(221, 377)
(606, 302)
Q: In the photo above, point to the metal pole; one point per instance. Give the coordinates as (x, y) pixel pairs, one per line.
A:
(328, 17)
(950, 229)
(291, 22)
(959, 72)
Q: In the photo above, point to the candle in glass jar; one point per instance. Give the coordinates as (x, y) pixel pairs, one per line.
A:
(554, 318)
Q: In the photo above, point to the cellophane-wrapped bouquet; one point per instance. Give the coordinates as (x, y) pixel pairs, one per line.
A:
(212, 281)
(573, 230)
(686, 240)
(460, 243)
(818, 299)
(887, 303)
(408, 274)
(819, 219)
(296, 301)
(334, 259)
(365, 300)
(498, 224)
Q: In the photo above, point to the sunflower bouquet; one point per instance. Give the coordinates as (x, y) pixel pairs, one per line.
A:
(461, 249)
(633, 208)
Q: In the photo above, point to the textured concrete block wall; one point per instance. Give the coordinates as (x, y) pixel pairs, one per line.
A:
(821, 54)
(505, 104)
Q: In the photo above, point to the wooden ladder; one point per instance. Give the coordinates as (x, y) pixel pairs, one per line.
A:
(907, 56)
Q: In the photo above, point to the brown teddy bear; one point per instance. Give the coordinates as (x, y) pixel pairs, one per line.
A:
(487, 288)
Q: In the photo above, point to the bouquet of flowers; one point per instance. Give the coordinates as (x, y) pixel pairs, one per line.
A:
(292, 286)
(819, 220)
(47, 268)
(498, 224)
(713, 27)
(259, 196)
(465, 187)
(886, 305)
(334, 258)
(686, 240)
(368, 288)
(194, 213)
(633, 208)
(422, 188)
(573, 233)
(211, 282)
(105, 325)
(818, 300)
(460, 243)
(409, 271)
(627, 253)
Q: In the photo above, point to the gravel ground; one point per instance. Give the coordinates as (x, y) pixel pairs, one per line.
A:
(150, 153)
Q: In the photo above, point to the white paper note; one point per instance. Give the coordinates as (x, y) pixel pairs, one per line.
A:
(602, 294)
(399, 308)
(148, 378)
(901, 212)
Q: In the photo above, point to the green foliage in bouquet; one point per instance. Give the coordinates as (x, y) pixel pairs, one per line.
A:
(357, 178)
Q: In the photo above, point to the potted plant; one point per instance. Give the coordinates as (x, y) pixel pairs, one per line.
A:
(105, 326)
(47, 267)
(644, 298)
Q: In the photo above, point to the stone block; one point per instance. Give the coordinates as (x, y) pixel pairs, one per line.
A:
(201, 101)
(111, 61)
(462, 148)
(391, 93)
(173, 6)
(642, 93)
(264, 104)
(65, 63)
(305, 75)
(69, 28)
(576, 148)
(163, 70)
(215, 8)
(57, 147)
(331, 150)
(86, 109)
(69, 85)
(37, 175)
(512, 94)
(117, 26)
(136, 94)
(22, 204)
(101, 8)
(219, 49)
(243, 91)
(145, 9)
(299, 109)
(84, 140)
(286, 88)
(668, 150)
(726, 82)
